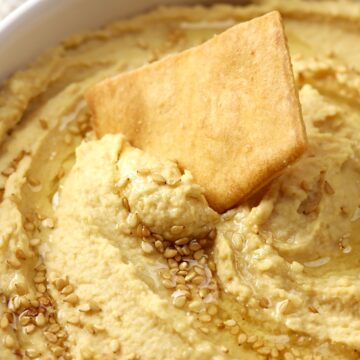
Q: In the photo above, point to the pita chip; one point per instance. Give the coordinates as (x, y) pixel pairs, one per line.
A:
(227, 110)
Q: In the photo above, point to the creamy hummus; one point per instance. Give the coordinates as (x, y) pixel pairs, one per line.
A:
(109, 253)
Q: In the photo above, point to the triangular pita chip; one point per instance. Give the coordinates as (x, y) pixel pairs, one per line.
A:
(226, 110)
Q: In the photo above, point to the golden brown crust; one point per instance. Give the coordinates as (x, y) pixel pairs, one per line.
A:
(227, 110)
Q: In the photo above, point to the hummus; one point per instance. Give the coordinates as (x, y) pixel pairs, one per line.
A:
(109, 253)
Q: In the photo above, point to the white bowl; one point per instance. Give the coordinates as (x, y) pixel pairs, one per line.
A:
(39, 24)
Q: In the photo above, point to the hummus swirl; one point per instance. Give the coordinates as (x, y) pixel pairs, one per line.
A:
(109, 253)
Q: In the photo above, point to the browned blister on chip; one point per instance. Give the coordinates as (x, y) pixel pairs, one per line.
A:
(226, 110)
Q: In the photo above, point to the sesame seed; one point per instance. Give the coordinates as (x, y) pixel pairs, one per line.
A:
(235, 330)
(68, 289)
(146, 247)
(60, 284)
(158, 179)
(170, 253)
(203, 292)
(40, 320)
(168, 284)
(173, 263)
(205, 318)
(182, 241)
(24, 320)
(9, 341)
(32, 353)
(14, 263)
(133, 220)
(230, 322)
(177, 229)
(20, 254)
(4, 322)
(29, 328)
(72, 299)
(125, 203)
(159, 246)
(264, 303)
(53, 328)
(48, 223)
(204, 330)
(242, 338)
(57, 350)
(179, 301)
(197, 280)
(50, 337)
(198, 254)
(194, 245)
(184, 265)
(252, 339)
(264, 350)
(144, 172)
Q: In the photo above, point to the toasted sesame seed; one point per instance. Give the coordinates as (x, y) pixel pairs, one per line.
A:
(168, 284)
(72, 299)
(170, 253)
(235, 330)
(146, 247)
(29, 328)
(24, 320)
(40, 320)
(173, 263)
(198, 254)
(179, 301)
(164, 273)
(197, 280)
(125, 203)
(252, 339)
(9, 342)
(179, 279)
(73, 320)
(32, 353)
(224, 349)
(190, 276)
(145, 232)
(230, 322)
(185, 250)
(264, 303)
(199, 270)
(4, 323)
(158, 179)
(53, 328)
(182, 241)
(159, 246)
(184, 265)
(203, 292)
(20, 254)
(205, 318)
(21, 288)
(29, 226)
(57, 350)
(68, 289)
(194, 245)
(133, 220)
(177, 229)
(242, 338)
(204, 330)
(144, 172)
(50, 337)
(60, 284)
